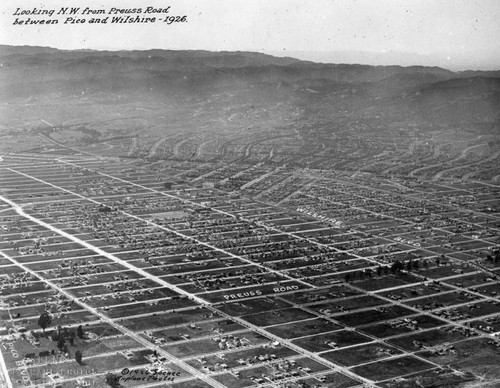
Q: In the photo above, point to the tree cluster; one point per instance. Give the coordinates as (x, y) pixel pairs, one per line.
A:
(62, 335)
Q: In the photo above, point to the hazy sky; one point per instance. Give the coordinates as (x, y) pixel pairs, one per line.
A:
(457, 32)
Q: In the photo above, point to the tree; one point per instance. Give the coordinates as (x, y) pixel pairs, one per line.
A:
(113, 380)
(78, 356)
(44, 321)
(54, 336)
(79, 332)
(61, 342)
(71, 338)
(397, 266)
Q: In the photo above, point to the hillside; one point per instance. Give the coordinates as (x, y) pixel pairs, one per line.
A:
(241, 98)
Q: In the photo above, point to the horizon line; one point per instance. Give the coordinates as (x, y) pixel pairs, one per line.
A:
(292, 54)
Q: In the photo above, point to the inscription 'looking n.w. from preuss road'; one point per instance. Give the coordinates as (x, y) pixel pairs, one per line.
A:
(89, 11)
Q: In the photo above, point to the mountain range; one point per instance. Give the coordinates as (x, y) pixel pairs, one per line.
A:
(430, 94)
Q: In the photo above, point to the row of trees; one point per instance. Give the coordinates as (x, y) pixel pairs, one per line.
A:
(395, 268)
(45, 321)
